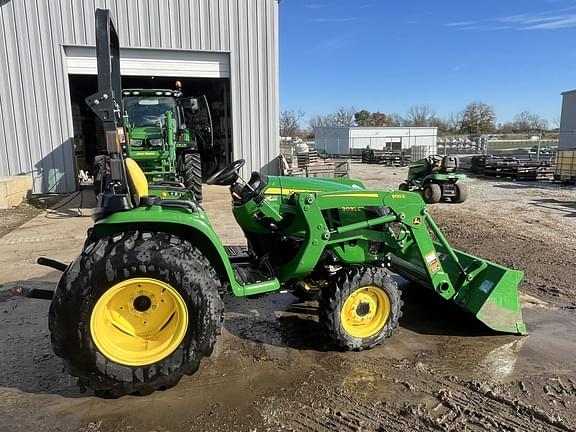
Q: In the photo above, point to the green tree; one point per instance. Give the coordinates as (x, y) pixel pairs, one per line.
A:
(363, 118)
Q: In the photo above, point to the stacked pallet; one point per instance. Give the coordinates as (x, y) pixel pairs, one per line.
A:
(511, 168)
(384, 157)
(308, 158)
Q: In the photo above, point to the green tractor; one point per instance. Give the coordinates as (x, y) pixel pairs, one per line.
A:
(436, 177)
(142, 303)
(166, 135)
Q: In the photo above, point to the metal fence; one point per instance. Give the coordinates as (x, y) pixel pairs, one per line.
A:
(394, 144)
(424, 145)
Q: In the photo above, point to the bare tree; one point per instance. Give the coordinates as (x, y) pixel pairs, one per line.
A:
(290, 122)
(321, 121)
(420, 115)
(397, 120)
(453, 122)
(528, 122)
(344, 117)
(478, 118)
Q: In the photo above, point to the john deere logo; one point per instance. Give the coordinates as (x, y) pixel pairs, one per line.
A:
(417, 220)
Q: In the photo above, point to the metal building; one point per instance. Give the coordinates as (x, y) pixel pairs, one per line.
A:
(226, 49)
(352, 140)
(568, 121)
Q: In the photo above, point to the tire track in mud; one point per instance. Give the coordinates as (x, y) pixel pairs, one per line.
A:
(421, 401)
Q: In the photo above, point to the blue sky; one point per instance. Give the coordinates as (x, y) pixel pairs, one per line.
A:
(389, 55)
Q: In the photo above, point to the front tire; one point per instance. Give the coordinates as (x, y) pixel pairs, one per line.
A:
(462, 192)
(192, 174)
(432, 193)
(360, 308)
(135, 312)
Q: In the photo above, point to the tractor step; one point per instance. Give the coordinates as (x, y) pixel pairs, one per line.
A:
(238, 254)
(248, 274)
(247, 269)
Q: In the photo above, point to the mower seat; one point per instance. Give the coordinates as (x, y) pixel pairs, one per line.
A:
(449, 164)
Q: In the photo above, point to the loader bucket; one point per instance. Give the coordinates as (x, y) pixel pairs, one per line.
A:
(491, 294)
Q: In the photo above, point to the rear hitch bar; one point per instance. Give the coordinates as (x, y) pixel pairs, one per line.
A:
(35, 293)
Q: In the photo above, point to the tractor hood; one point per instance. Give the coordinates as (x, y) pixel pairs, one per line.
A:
(146, 132)
(290, 185)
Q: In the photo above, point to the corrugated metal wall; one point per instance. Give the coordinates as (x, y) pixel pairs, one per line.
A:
(35, 113)
(568, 121)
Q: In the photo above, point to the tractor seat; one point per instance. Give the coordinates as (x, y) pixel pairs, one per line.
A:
(137, 181)
(139, 191)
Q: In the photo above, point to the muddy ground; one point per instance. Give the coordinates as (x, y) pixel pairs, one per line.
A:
(272, 370)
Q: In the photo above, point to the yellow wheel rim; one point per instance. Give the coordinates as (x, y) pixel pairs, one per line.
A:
(139, 321)
(365, 312)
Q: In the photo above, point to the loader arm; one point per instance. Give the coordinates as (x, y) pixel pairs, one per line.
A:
(403, 235)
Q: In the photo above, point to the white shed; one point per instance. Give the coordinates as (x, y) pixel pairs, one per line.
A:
(352, 140)
(568, 121)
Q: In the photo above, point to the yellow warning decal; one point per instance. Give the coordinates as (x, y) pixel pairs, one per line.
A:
(417, 220)
(432, 262)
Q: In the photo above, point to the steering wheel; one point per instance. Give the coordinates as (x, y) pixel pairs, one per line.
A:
(226, 176)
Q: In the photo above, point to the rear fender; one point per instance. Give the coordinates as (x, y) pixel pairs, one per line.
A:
(193, 227)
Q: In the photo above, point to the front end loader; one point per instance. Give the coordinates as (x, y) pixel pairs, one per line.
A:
(142, 303)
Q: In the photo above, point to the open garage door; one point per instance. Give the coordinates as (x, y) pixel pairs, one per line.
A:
(153, 62)
(201, 74)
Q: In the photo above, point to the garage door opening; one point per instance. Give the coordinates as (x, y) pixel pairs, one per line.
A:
(89, 137)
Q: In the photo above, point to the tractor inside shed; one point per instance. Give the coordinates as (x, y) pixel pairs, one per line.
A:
(88, 134)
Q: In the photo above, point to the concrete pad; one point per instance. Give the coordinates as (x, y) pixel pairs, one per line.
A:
(60, 233)
(14, 189)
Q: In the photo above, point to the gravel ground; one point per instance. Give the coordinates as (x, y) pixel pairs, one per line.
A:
(272, 370)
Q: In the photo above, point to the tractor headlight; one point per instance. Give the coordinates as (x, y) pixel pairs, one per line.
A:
(155, 142)
(136, 142)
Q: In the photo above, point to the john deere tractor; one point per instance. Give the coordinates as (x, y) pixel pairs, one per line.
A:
(436, 177)
(142, 303)
(166, 135)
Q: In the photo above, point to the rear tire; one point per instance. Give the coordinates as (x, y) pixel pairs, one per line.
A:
(112, 261)
(462, 192)
(432, 193)
(192, 174)
(374, 294)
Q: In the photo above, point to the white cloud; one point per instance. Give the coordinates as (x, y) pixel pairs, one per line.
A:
(460, 24)
(548, 20)
(333, 20)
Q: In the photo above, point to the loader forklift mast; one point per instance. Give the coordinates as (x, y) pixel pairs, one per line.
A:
(108, 107)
